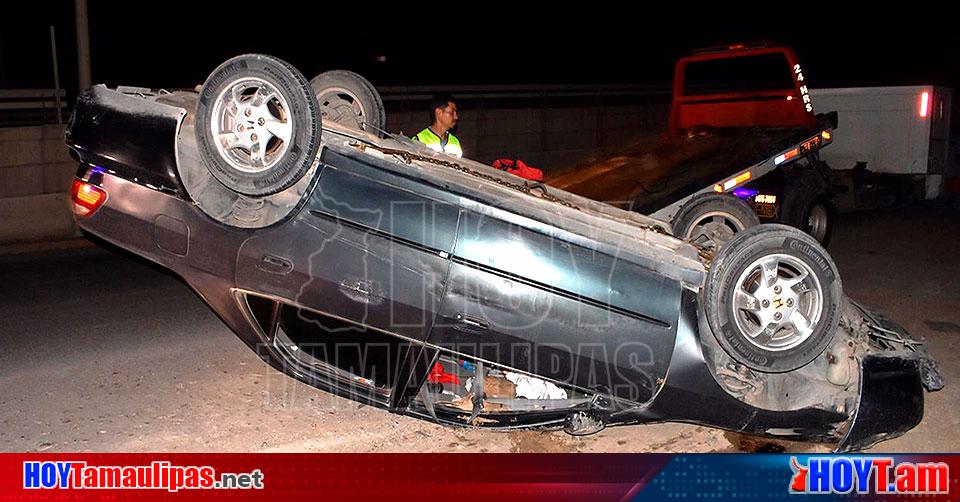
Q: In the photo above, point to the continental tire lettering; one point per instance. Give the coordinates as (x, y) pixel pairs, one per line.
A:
(227, 174)
(226, 71)
(815, 255)
(742, 346)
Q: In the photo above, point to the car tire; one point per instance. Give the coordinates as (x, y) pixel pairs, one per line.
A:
(773, 298)
(257, 125)
(348, 99)
(712, 219)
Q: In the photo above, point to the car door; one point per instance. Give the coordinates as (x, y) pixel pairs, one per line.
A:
(521, 296)
(364, 262)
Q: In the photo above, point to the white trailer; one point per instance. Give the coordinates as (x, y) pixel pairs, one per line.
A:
(894, 130)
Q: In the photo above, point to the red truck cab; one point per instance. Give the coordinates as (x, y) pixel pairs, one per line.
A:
(778, 106)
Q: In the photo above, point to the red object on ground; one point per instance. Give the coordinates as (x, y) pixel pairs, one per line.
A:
(519, 168)
(439, 375)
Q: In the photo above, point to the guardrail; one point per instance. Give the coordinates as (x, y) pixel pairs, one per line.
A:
(537, 96)
(398, 93)
(21, 107)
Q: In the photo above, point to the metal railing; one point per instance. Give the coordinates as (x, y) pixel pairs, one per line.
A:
(24, 107)
(395, 93)
(492, 96)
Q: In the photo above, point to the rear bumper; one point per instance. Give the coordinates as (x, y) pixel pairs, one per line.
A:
(128, 135)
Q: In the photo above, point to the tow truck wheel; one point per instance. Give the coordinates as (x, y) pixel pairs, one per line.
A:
(710, 220)
(772, 298)
(806, 205)
(818, 220)
(257, 125)
(348, 99)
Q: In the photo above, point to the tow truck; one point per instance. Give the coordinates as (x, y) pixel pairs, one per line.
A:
(742, 147)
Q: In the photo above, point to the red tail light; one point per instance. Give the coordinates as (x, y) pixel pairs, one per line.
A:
(87, 198)
(924, 104)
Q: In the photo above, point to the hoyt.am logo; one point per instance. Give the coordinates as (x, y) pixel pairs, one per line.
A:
(879, 475)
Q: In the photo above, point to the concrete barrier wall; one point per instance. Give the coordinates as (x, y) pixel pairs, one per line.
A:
(36, 169)
(31, 218)
(548, 138)
(35, 176)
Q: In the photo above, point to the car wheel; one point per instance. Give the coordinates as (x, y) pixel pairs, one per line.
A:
(257, 125)
(773, 298)
(710, 220)
(348, 99)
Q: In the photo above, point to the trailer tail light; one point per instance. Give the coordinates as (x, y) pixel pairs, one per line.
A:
(786, 156)
(731, 183)
(87, 198)
(924, 104)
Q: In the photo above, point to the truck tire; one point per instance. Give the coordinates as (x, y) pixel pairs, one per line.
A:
(773, 298)
(806, 205)
(819, 218)
(257, 125)
(710, 220)
(814, 214)
(348, 99)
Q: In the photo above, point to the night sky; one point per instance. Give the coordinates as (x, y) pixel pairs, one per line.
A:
(176, 44)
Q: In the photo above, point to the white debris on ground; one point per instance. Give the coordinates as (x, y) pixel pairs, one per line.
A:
(534, 388)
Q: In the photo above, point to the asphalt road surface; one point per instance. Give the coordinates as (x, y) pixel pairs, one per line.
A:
(104, 352)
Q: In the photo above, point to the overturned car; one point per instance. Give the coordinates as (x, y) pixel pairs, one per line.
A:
(372, 267)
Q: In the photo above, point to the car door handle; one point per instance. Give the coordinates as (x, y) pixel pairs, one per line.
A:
(363, 291)
(275, 265)
(470, 323)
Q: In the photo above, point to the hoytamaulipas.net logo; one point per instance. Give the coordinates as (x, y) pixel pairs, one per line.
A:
(877, 475)
(159, 475)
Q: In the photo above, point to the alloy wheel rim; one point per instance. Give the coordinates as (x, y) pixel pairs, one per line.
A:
(252, 125)
(777, 302)
(713, 229)
(340, 106)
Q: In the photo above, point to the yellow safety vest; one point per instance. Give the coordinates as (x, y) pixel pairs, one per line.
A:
(430, 138)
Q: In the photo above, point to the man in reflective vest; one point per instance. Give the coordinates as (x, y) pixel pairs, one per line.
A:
(438, 136)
